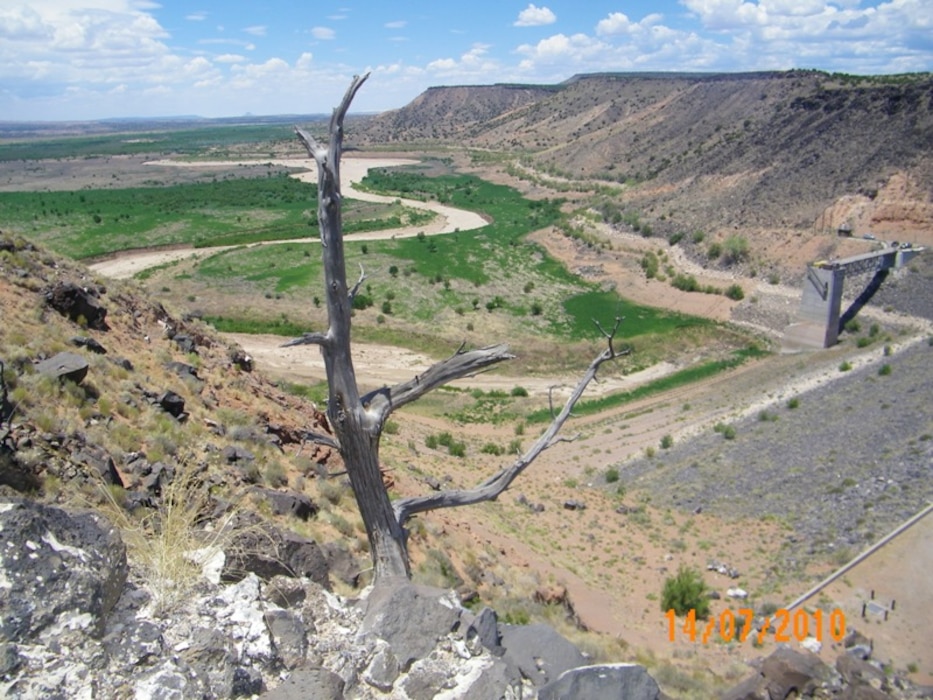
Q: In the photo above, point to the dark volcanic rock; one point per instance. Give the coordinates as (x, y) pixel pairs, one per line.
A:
(64, 365)
(89, 343)
(606, 682)
(72, 566)
(539, 652)
(267, 552)
(288, 502)
(76, 303)
(411, 618)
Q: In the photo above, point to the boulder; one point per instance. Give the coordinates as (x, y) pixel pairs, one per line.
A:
(183, 370)
(268, 552)
(411, 618)
(784, 672)
(289, 636)
(539, 652)
(64, 365)
(77, 303)
(288, 502)
(101, 463)
(171, 403)
(185, 343)
(342, 563)
(306, 683)
(64, 572)
(89, 343)
(485, 628)
(605, 681)
(233, 454)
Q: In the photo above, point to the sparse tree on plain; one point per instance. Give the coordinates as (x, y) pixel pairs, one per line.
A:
(358, 420)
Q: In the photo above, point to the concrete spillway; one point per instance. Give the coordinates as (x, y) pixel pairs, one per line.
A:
(820, 317)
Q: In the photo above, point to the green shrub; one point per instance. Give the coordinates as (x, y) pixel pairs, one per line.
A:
(714, 251)
(685, 592)
(491, 448)
(736, 248)
(519, 391)
(845, 366)
(612, 475)
(884, 370)
(793, 403)
(667, 442)
(735, 292)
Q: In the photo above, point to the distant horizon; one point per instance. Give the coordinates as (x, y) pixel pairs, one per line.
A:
(325, 115)
(86, 60)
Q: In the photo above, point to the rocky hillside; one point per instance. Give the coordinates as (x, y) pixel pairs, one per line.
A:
(774, 150)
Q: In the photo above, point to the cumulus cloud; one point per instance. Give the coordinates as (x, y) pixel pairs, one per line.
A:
(617, 23)
(475, 64)
(533, 16)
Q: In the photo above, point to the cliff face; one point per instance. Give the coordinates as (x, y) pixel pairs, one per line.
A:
(759, 149)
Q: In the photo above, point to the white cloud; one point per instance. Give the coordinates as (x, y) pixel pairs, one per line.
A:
(256, 30)
(398, 24)
(196, 16)
(533, 16)
(229, 58)
(472, 66)
(323, 33)
(618, 23)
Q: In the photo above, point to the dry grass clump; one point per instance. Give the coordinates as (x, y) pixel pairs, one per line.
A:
(172, 546)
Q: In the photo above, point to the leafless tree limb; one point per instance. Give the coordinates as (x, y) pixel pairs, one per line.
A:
(307, 339)
(491, 488)
(461, 364)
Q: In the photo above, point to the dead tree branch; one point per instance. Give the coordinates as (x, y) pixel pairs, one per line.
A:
(461, 364)
(490, 489)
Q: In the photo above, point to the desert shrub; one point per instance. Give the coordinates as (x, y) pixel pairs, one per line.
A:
(736, 248)
(685, 283)
(649, 263)
(845, 366)
(612, 475)
(793, 403)
(684, 592)
(275, 475)
(519, 391)
(714, 251)
(884, 370)
(667, 442)
(727, 431)
(491, 448)
(735, 292)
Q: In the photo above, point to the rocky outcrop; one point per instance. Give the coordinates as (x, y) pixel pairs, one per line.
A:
(64, 365)
(64, 574)
(80, 304)
(606, 681)
(92, 623)
(801, 674)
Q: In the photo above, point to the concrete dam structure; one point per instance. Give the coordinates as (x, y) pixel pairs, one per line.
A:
(821, 318)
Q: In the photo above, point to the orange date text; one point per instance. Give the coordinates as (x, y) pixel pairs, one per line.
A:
(780, 626)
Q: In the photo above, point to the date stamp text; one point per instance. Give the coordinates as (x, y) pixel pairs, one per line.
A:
(780, 626)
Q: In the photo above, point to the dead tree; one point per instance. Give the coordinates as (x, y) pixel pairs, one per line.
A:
(358, 421)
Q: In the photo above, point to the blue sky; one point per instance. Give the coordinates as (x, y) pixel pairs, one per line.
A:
(88, 59)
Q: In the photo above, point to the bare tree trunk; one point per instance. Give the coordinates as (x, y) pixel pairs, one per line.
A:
(356, 429)
(358, 421)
